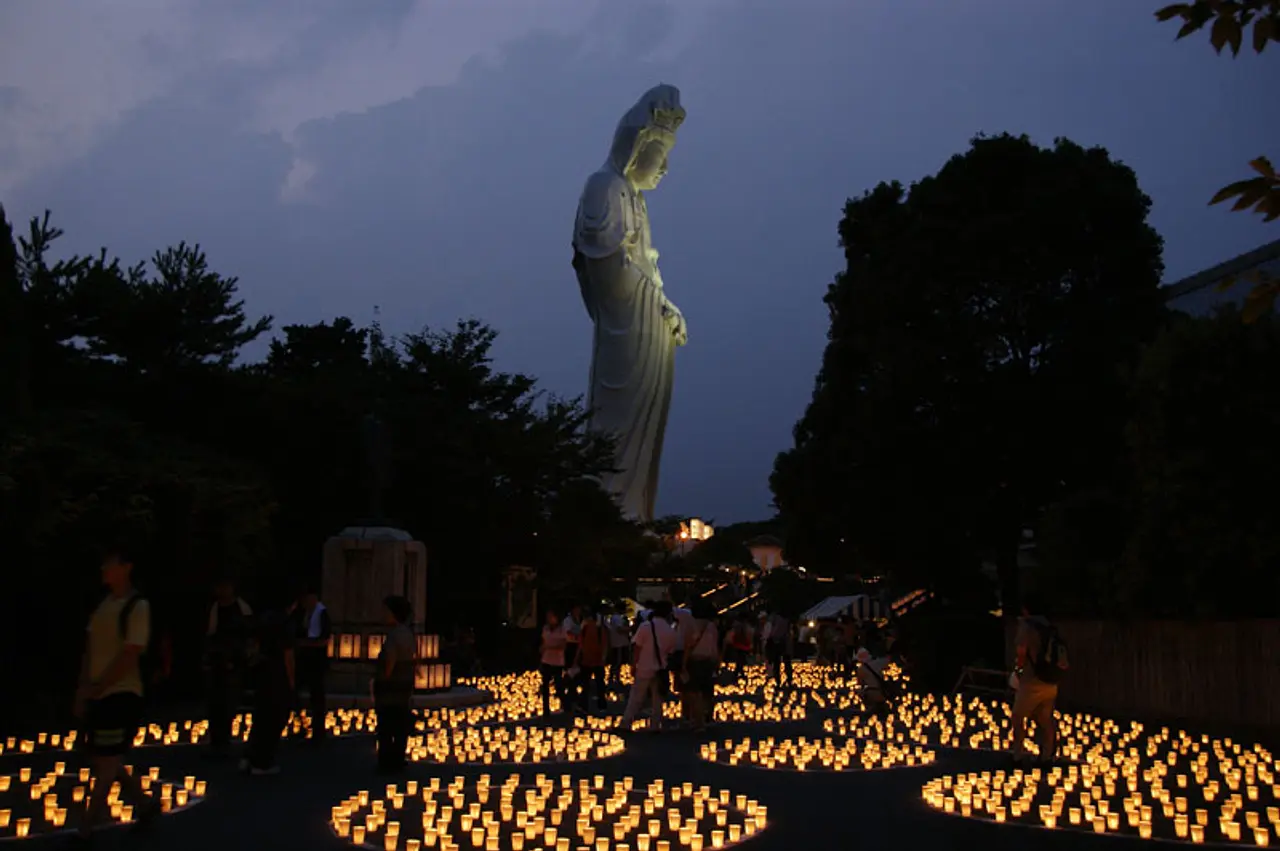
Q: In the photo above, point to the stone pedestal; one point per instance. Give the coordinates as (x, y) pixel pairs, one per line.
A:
(362, 566)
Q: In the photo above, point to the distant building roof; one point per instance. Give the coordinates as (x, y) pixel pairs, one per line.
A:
(1259, 256)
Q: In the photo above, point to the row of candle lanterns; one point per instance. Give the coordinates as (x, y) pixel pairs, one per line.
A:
(34, 805)
(356, 646)
(570, 814)
(497, 745)
(802, 754)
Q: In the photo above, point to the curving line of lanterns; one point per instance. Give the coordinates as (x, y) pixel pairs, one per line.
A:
(827, 754)
(498, 745)
(977, 724)
(517, 698)
(545, 813)
(1171, 786)
(33, 805)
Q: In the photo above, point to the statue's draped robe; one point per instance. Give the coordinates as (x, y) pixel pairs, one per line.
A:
(633, 354)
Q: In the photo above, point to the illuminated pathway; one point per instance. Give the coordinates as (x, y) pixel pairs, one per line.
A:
(785, 770)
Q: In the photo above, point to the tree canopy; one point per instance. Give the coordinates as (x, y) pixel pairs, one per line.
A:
(974, 367)
(133, 409)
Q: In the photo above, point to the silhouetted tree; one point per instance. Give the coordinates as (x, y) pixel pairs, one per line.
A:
(145, 421)
(973, 372)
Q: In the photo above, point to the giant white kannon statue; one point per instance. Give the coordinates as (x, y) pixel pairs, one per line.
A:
(637, 328)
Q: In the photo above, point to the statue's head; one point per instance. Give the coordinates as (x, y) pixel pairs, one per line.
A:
(646, 135)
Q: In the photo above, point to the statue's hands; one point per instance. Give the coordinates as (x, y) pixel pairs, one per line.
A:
(675, 322)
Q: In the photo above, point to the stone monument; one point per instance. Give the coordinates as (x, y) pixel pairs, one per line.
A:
(362, 565)
(637, 327)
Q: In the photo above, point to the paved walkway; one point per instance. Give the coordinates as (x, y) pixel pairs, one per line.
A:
(864, 810)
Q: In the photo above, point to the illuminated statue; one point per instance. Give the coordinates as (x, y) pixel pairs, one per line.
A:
(637, 328)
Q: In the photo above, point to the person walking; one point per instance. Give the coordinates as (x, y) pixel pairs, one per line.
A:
(1041, 661)
(650, 654)
(776, 646)
(393, 686)
(225, 658)
(312, 630)
(551, 658)
(619, 647)
(573, 695)
(872, 686)
(109, 696)
(701, 661)
(592, 643)
(738, 644)
(681, 621)
(272, 667)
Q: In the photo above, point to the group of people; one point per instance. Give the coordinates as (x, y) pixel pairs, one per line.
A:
(682, 650)
(286, 654)
(280, 653)
(669, 649)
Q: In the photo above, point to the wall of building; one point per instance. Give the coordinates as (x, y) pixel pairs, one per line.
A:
(1198, 294)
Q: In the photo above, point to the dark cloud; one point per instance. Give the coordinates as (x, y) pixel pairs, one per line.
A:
(459, 199)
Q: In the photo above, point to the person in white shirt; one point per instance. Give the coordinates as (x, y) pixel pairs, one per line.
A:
(650, 658)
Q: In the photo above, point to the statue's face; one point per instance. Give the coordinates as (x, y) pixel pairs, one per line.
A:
(650, 165)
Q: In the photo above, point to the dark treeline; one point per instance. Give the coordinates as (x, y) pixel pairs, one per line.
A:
(1001, 359)
(128, 412)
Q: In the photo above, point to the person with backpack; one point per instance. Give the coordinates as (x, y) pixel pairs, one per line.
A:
(654, 640)
(1040, 665)
(227, 636)
(109, 696)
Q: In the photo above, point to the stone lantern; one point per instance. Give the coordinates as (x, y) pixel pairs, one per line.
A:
(362, 566)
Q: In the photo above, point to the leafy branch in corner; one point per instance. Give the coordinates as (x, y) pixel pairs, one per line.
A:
(1229, 22)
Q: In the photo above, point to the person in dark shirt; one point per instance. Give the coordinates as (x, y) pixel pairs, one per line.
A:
(226, 646)
(393, 686)
(311, 630)
(273, 679)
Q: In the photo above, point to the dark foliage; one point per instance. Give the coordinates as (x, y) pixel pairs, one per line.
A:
(128, 410)
(974, 369)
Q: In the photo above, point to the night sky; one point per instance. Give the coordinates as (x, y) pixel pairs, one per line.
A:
(426, 156)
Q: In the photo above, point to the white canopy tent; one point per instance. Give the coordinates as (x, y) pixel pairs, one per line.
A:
(831, 607)
(860, 607)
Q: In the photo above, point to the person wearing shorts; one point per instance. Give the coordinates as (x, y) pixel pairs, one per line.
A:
(109, 698)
